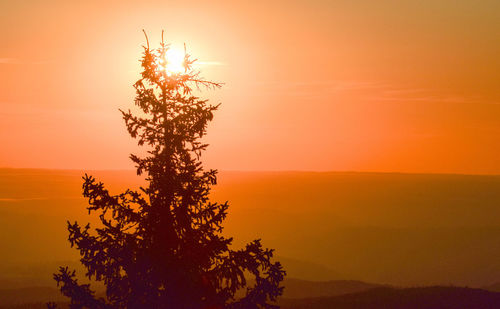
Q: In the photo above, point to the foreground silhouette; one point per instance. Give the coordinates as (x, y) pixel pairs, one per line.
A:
(161, 247)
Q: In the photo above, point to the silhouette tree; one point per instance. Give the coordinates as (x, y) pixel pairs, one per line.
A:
(162, 246)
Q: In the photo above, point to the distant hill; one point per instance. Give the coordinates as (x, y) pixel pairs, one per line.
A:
(375, 298)
(38, 305)
(495, 287)
(409, 298)
(296, 288)
(31, 275)
(399, 229)
(309, 270)
(23, 296)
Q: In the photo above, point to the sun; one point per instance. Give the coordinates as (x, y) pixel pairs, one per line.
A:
(173, 62)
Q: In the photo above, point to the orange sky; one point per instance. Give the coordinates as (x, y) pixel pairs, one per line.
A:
(407, 86)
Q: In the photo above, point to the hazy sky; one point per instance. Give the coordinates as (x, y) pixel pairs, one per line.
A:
(408, 86)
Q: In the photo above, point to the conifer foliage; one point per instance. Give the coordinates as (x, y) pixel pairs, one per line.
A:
(162, 245)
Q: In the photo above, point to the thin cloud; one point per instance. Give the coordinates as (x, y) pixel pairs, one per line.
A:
(20, 61)
(394, 94)
(315, 88)
(210, 63)
(8, 199)
(23, 199)
(8, 61)
(380, 91)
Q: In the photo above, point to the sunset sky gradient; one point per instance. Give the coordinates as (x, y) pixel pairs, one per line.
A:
(387, 86)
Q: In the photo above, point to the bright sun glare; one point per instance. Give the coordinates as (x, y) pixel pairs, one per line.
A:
(173, 62)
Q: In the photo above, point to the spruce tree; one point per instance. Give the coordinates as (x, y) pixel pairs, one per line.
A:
(161, 246)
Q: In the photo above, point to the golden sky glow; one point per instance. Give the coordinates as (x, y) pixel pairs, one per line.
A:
(408, 86)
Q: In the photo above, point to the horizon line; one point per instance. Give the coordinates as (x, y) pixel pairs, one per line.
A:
(264, 171)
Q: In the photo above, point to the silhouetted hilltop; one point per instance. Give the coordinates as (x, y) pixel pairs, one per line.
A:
(495, 287)
(296, 288)
(409, 298)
